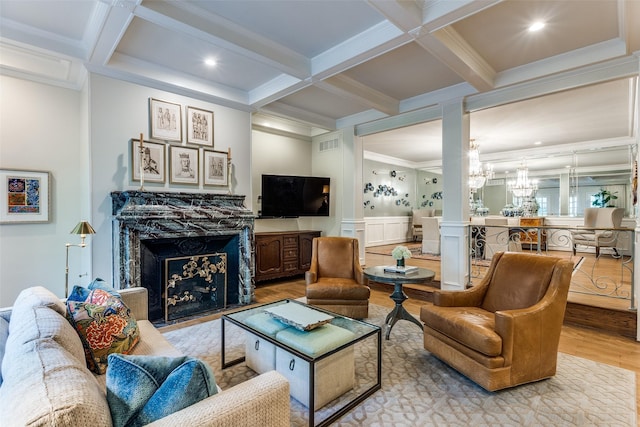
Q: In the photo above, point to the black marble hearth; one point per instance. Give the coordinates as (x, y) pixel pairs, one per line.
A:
(152, 231)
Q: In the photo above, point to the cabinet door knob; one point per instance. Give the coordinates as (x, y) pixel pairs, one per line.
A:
(257, 345)
(292, 364)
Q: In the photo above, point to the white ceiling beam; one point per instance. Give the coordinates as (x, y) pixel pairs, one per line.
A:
(405, 14)
(375, 41)
(450, 48)
(115, 24)
(281, 109)
(439, 96)
(348, 88)
(438, 14)
(142, 72)
(276, 88)
(602, 72)
(46, 40)
(197, 22)
(566, 61)
(399, 121)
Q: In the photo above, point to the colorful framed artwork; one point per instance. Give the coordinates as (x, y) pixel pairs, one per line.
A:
(199, 126)
(148, 160)
(215, 170)
(184, 165)
(165, 120)
(25, 196)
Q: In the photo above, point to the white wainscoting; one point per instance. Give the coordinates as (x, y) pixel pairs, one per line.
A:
(386, 230)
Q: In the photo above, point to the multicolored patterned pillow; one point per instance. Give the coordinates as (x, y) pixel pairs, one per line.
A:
(105, 325)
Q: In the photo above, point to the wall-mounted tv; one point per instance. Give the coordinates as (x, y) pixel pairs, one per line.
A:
(286, 196)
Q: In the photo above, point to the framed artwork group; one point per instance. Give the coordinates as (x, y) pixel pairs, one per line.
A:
(184, 164)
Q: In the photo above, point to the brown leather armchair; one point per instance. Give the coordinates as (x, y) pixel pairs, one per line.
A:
(504, 331)
(335, 280)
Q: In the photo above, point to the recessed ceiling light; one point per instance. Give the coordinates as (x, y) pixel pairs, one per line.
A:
(536, 26)
(210, 62)
(537, 143)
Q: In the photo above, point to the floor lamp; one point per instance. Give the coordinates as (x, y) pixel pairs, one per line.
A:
(83, 228)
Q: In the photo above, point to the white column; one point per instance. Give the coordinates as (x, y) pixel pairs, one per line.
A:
(352, 224)
(455, 197)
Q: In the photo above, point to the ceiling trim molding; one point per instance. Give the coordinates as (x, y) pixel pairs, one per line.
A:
(459, 91)
(376, 157)
(359, 118)
(127, 77)
(604, 51)
(401, 120)
(280, 132)
(173, 78)
(281, 109)
(607, 71)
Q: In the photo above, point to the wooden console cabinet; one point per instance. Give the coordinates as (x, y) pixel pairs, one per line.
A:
(283, 253)
(529, 238)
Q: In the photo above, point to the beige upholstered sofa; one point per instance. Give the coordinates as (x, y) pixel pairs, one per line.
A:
(46, 381)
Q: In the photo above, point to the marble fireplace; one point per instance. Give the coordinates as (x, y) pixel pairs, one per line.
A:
(192, 251)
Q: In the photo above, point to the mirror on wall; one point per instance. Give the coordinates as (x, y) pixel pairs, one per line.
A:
(575, 143)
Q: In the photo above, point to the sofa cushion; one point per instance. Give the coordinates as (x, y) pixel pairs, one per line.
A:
(142, 389)
(45, 385)
(471, 326)
(317, 341)
(36, 323)
(105, 326)
(39, 296)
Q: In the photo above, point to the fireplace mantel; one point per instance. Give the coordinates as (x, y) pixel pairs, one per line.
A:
(140, 216)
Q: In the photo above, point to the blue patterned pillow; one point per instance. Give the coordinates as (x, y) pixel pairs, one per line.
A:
(80, 293)
(143, 389)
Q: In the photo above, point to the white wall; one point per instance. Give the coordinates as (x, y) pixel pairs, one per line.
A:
(40, 129)
(289, 155)
(119, 112)
(278, 155)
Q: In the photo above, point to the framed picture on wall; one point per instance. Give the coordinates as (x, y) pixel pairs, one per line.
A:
(199, 126)
(215, 167)
(184, 165)
(148, 159)
(165, 120)
(25, 196)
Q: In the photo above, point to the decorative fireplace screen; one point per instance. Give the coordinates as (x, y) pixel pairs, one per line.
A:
(194, 284)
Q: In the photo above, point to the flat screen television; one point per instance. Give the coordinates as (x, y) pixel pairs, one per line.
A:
(286, 196)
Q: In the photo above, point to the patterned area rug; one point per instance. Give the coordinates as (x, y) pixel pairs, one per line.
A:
(419, 390)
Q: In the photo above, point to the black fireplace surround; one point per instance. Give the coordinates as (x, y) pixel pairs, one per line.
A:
(151, 227)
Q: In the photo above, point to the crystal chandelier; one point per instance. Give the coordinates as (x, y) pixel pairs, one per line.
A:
(523, 186)
(477, 175)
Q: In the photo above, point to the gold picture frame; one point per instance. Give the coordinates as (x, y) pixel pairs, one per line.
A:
(200, 126)
(215, 169)
(153, 161)
(184, 166)
(165, 120)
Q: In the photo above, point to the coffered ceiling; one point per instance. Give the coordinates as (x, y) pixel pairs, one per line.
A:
(329, 64)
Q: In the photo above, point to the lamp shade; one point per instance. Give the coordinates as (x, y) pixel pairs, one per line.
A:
(83, 227)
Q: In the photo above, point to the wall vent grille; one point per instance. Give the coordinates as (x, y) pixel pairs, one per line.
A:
(330, 144)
